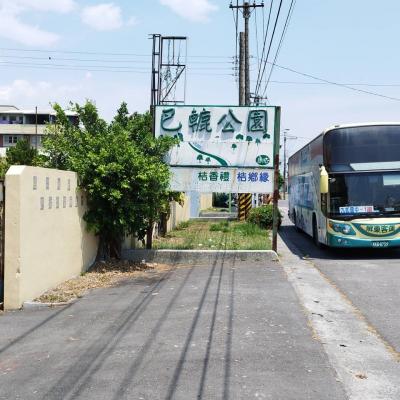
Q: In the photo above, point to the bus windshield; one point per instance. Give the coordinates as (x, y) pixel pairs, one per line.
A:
(365, 194)
(362, 148)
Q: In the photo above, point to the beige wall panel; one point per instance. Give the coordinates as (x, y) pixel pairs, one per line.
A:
(205, 201)
(46, 241)
(179, 213)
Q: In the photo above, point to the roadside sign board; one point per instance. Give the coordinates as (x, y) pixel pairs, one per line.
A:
(237, 141)
(222, 180)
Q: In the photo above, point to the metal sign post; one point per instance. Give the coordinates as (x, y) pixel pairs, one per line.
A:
(277, 128)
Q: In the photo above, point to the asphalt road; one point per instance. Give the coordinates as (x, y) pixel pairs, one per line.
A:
(370, 278)
(224, 331)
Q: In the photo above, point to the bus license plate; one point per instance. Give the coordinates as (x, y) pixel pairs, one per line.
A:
(380, 244)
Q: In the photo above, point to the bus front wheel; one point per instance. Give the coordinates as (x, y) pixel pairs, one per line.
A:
(295, 222)
(315, 232)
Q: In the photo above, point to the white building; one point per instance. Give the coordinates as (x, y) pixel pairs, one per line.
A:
(16, 124)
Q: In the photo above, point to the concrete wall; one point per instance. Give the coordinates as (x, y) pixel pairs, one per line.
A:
(178, 213)
(46, 241)
(205, 201)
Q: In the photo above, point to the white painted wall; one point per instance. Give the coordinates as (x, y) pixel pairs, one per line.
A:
(178, 213)
(46, 241)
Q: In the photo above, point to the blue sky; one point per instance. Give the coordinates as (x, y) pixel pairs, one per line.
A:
(351, 42)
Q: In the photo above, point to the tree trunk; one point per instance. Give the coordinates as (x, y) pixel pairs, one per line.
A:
(149, 236)
(163, 224)
(101, 250)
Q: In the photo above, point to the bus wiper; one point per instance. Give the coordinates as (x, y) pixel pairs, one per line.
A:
(374, 215)
(365, 215)
(392, 214)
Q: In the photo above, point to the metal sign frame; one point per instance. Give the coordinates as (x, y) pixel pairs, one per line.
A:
(275, 164)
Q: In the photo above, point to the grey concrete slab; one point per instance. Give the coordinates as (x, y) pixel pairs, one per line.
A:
(198, 257)
(370, 278)
(229, 330)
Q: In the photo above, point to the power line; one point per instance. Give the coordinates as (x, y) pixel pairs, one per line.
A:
(109, 71)
(27, 66)
(100, 53)
(285, 28)
(99, 69)
(269, 48)
(347, 84)
(111, 67)
(100, 60)
(335, 83)
(256, 31)
(73, 52)
(265, 42)
(236, 22)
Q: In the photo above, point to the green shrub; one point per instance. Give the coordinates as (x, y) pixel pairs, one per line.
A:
(182, 225)
(263, 216)
(247, 229)
(222, 226)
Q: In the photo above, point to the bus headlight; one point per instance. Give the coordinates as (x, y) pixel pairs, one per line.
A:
(335, 227)
(346, 229)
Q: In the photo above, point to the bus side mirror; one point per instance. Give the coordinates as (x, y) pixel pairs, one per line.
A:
(323, 182)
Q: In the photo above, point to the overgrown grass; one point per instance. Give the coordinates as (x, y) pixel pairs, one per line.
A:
(228, 235)
(182, 225)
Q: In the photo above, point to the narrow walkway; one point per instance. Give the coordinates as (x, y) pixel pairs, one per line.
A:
(368, 367)
(217, 332)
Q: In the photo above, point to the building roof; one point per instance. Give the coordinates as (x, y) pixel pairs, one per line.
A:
(5, 109)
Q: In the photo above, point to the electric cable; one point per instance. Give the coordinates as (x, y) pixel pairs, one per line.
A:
(99, 53)
(346, 86)
(285, 28)
(270, 45)
(265, 42)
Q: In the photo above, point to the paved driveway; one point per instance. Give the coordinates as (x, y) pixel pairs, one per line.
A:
(370, 278)
(224, 331)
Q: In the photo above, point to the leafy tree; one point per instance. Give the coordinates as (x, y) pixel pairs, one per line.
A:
(140, 128)
(22, 154)
(281, 181)
(3, 167)
(120, 166)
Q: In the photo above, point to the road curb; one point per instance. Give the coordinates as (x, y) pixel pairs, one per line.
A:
(37, 305)
(198, 257)
(214, 218)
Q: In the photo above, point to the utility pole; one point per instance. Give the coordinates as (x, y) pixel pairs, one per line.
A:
(244, 49)
(244, 199)
(167, 69)
(284, 166)
(36, 127)
(242, 81)
(246, 16)
(285, 138)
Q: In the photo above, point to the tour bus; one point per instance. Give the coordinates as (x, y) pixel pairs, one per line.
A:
(344, 186)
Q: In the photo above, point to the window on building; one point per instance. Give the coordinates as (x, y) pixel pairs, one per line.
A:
(16, 119)
(39, 140)
(10, 140)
